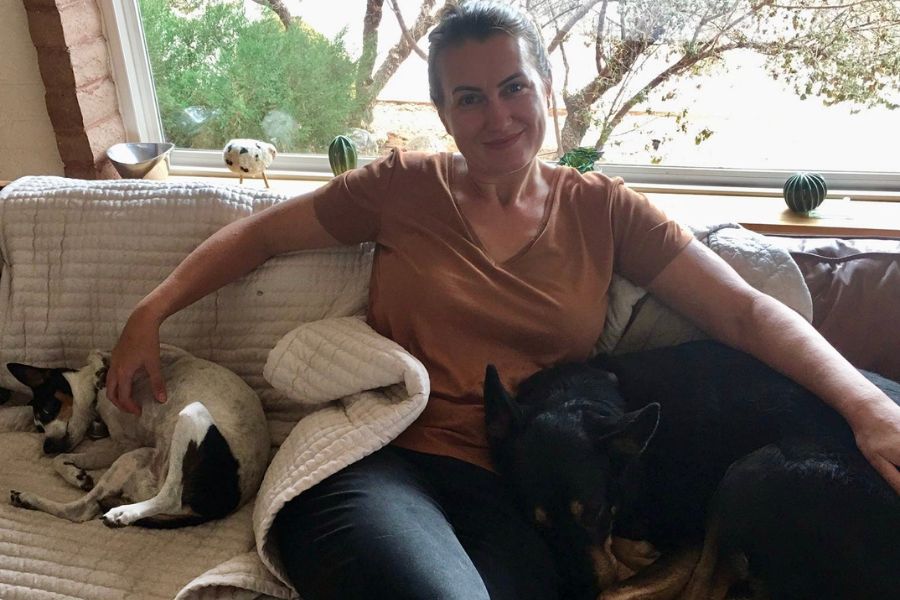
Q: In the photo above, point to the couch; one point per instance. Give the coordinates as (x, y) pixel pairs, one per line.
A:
(77, 255)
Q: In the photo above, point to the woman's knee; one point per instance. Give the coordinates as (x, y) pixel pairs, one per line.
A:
(373, 532)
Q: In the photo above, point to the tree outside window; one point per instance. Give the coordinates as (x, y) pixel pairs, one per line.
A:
(754, 83)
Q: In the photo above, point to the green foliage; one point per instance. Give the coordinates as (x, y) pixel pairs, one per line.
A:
(219, 75)
(841, 53)
(702, 135)
(581, 158)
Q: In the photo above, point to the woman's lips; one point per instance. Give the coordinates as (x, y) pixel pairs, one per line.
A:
(503, 142)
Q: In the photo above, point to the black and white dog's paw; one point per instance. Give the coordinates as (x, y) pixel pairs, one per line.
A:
(76, 476)
(121, 516)
(20, 499)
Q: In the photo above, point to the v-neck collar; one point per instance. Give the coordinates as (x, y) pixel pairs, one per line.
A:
(549, 205)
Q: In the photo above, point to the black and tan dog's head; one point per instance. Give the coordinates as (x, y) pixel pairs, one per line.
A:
(565, 445)
(63, 400)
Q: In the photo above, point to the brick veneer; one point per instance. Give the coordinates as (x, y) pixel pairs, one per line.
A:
(81, 96)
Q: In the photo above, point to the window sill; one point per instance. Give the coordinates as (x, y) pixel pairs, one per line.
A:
(834, 218)
(761, 211)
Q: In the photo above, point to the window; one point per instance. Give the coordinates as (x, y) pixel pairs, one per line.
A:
(712, 92)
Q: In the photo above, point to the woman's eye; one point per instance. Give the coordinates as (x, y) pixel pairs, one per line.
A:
(514, 88)
(468, 100)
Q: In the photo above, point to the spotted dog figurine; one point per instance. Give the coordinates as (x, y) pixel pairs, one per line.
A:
(249, 158)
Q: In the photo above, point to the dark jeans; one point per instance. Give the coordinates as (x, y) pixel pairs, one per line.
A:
(404, 525)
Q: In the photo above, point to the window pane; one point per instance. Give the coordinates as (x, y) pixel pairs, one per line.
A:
(709, 83)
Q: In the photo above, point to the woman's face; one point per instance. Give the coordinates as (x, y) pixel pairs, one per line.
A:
(494, 103)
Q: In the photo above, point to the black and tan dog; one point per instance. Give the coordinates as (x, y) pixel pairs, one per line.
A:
(696, 446)
(566, 444)
(197, 457)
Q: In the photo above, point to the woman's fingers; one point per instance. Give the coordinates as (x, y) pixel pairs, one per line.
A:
(157, 383)
(878, 438)
(118, 390)
(888, 470)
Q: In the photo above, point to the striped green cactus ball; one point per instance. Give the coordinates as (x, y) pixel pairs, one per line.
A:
(804, 191)
(342, 154)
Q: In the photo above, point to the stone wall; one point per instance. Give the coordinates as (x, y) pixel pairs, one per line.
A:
(80, 93)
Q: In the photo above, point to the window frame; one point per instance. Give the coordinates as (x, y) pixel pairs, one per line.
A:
(140, 113)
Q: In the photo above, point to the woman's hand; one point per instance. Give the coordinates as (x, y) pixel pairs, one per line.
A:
(876, 426)
(136, 350)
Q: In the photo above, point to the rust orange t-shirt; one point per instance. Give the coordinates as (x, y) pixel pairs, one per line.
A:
(437, 293)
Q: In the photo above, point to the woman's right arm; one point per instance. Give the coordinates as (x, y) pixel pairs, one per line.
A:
(228, 254)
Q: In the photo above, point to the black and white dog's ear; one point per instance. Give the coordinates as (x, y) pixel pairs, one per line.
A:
(629, 437)
(502, 414)
(98, 360)
(31, 376)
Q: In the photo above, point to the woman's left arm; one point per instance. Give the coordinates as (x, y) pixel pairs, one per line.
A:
(702, 287)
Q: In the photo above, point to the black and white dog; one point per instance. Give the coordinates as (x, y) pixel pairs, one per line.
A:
(195, 458)
(696, 446)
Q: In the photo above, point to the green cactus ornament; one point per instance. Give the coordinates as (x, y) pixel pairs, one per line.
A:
(804, 191)
(341, 154)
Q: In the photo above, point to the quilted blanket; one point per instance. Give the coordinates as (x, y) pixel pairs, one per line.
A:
(76, 257)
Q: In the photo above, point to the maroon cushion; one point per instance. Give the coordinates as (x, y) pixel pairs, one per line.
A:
(856, 299)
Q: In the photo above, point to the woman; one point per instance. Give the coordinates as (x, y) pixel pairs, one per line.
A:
(489, 255)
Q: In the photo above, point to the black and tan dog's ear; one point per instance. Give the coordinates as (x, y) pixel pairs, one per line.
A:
(31, 376)
(629, 437)
(502, 414)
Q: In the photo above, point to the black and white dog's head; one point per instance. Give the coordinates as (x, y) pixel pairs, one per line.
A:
(63, 400)
(565, 443)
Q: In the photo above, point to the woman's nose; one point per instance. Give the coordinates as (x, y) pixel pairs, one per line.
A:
(498, 114)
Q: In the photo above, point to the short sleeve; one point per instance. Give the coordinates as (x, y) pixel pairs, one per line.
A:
(645, 239)
(350, 206)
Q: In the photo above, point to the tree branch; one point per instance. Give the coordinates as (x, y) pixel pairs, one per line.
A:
(402, 49)
(369, 43)
(675, 69)
(822, 7)
(406, 34)
(600, 43)
(576, 16)
(278, 7)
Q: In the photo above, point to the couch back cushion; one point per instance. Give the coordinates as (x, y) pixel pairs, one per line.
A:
(855, 288)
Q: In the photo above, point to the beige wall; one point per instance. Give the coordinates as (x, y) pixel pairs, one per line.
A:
(27, 142)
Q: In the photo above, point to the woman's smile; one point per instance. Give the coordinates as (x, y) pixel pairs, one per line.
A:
(499, 143)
